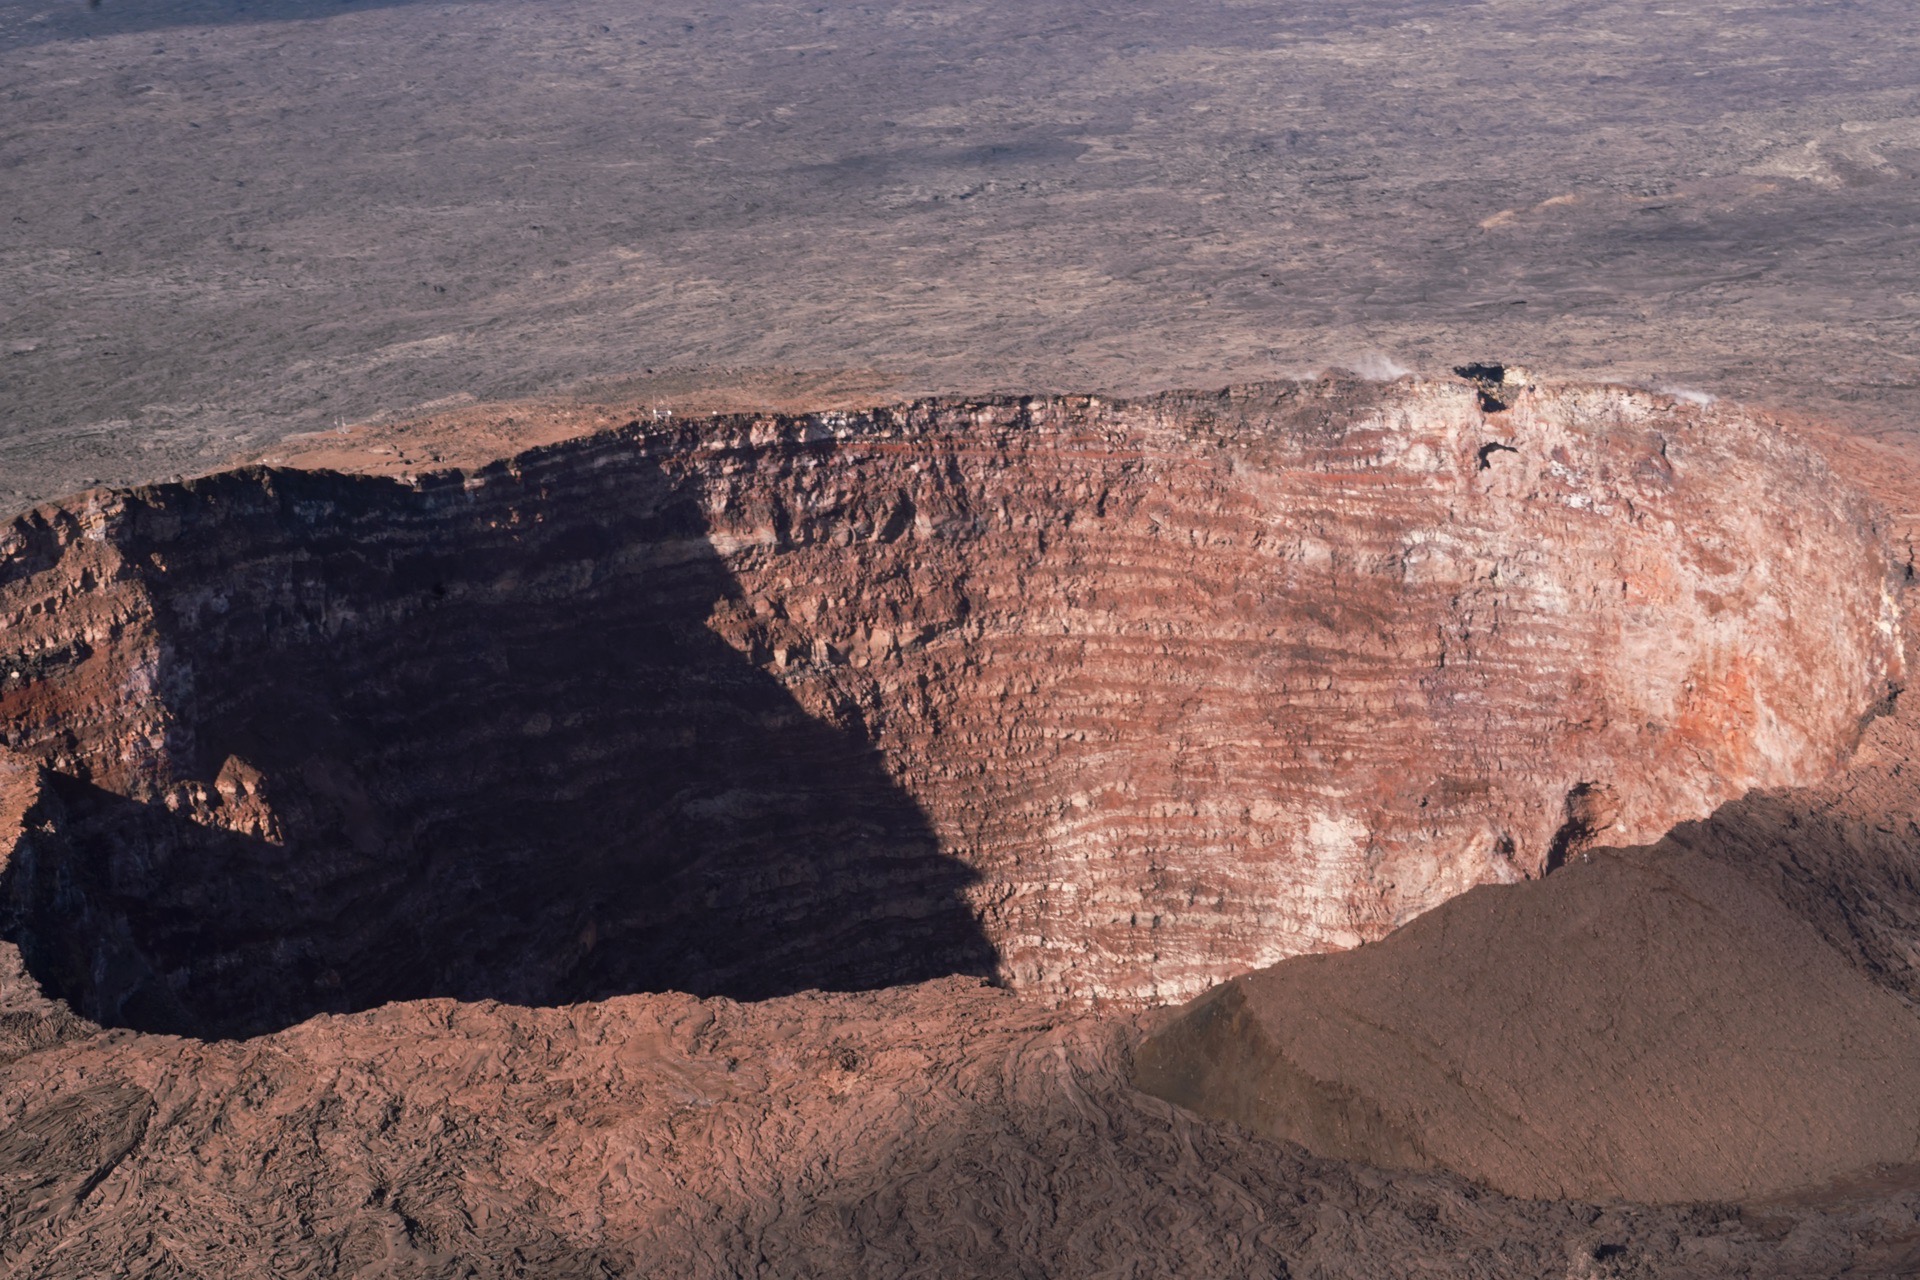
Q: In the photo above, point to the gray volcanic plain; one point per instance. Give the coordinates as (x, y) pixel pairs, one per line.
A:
(465, 813)
(223, 222)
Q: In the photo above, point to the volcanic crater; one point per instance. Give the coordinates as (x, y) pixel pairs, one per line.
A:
(1105, 701)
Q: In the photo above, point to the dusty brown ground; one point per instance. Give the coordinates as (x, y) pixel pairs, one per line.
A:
(932, 1131)
(1642, 1024)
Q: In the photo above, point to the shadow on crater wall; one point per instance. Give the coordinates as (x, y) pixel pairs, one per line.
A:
(469, 747)
(1850, 870)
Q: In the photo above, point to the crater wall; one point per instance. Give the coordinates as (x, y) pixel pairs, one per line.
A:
(1110, 700)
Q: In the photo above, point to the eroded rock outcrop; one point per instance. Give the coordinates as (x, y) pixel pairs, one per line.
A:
(1102, 699)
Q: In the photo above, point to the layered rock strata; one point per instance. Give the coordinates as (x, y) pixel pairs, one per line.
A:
(1104, 700)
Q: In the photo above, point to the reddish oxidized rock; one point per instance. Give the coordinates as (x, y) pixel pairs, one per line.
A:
(1108, 699)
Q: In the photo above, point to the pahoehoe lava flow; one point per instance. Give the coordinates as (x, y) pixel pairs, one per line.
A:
(1102, 700)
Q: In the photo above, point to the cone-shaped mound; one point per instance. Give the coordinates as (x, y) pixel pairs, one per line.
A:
(1647, 1025)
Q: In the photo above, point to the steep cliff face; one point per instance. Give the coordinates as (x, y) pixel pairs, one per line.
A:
(1107, 700)
(1717, 1016)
